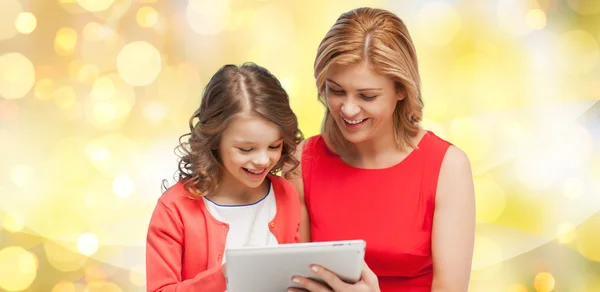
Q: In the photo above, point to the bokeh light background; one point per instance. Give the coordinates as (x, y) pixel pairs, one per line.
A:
(95, 93)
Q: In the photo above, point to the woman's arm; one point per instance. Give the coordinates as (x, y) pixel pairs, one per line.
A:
(453, 224)
(299, 185)
(164, 252)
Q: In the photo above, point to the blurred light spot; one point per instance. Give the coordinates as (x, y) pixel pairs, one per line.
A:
(12, 223)
(123, 186)
(9, 110)
(588, 239)
(434, 127)
(111, 154)
(8, 15)
(472, 137)
(536, 19)
(102, 286)
(439, 23)
(26, 22)
(487, 257)
(154, 112)
(64, 97)
(579, 52)
(21, 175)
(290, 86)
(240, 19)
(63, 258)
(139, 63)
(137, 276)
(110, 102)
(95, 32)
(518, 288)
(44, 88)
(566, 232)
(543, 282)
(95, 5)
(147, 16)
(208, 17)
(585, 7)
(512, 16)
(87, 244)
(65, 41)
(490, 199)
(87, 74)
(19, 268)
(17, 75)
(95, 274)
(64, 286)
(272, 37)
(573, 188)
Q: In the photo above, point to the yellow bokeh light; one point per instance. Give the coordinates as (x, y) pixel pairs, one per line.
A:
(588, 239)
(102, 286)
(44, 88)
(573, 188)
(64, 97)
(64, 286)
(65, 41)
(147, 16)
(110, 102)
(110, 153)
(64, 257)
(26, 22)
(123, 186)
(566, 232)
(8, 14)
(207, 17)
(536, 19)
(518, 288)
(87, 74)
(137, 276)
(139, 63)
(95, 5)
(95, 274)
(17, 75)
(19, 268)
(585, 7)
(94, 32)
(579, 52)
(490, 199)
(439, 23)
(12, 223)
(155, 112)
(543, 282)
(87, 244)
(21, 175)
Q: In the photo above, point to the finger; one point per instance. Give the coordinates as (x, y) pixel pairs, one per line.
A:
(296, 290)
(367, 275)
(309, 285)
(330, 278)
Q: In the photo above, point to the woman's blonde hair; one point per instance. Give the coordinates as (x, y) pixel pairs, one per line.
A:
(381, 39)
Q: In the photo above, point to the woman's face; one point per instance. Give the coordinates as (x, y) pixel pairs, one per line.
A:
(361, 101)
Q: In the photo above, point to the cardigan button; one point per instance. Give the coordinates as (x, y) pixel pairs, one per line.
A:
(272, 225)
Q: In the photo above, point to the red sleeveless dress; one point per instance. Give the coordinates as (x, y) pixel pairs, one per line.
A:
(390, 208)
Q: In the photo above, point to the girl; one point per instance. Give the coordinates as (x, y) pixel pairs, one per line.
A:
(228, 194)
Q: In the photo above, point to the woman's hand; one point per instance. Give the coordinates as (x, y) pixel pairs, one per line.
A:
(367, 283)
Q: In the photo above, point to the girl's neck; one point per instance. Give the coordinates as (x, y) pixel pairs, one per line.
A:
(233, 192)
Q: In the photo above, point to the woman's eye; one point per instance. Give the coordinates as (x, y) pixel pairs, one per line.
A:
(335, 92)
(367, 97)
(245, 149)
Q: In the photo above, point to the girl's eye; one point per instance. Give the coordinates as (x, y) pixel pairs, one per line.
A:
(275, 147)
(245, 149)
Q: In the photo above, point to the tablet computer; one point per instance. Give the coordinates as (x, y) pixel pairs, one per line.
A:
(270, 268)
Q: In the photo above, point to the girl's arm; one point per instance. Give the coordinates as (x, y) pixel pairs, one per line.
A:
(164, 255)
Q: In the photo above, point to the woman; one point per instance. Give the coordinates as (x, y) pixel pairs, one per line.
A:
(375, 174)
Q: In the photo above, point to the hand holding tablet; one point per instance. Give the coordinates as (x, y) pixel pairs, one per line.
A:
(271, 268)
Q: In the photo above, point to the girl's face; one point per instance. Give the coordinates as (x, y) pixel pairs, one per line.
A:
(250, 147)
(361, 101)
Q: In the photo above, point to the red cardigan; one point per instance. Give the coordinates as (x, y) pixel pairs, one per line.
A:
(185, 244)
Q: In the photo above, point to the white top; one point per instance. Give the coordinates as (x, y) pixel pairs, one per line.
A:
(248, 224)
